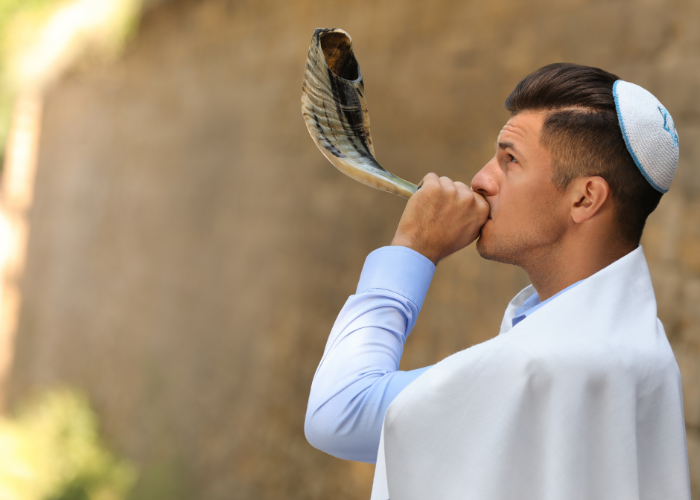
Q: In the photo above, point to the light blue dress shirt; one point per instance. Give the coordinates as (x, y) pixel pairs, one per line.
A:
(533, 303)
(359, 376)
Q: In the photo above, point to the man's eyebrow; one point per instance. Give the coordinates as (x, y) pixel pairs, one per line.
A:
(506, 145)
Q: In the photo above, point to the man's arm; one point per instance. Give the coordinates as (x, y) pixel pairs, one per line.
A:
(358, 376)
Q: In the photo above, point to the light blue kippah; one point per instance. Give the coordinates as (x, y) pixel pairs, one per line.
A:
(649, 133)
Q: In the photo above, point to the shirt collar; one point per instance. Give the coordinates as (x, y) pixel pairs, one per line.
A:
(533, 303)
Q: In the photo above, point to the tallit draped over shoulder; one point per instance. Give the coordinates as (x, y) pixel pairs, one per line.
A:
(580, 401)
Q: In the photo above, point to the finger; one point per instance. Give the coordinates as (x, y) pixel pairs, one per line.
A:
(482, 206)
(462, 189)
(428, 182)
(429, 178)
(447, 184)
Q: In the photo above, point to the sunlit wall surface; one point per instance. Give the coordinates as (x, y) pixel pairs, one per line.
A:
(189, 247)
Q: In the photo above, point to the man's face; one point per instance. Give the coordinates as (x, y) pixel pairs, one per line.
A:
(528, 213)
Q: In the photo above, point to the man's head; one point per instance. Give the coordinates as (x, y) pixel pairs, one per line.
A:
(561, 162)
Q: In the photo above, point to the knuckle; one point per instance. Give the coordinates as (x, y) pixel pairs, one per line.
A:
(447, 184)
(429, 181)
(467, 195)
(430, 187)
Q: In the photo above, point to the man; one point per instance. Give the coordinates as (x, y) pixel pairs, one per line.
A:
(579, 395)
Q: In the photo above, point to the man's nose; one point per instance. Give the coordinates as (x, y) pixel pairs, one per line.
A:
(484, 181)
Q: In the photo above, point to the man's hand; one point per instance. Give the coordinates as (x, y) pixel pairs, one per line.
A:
(441, 218)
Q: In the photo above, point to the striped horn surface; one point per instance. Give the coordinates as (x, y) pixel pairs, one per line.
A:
(335, 112)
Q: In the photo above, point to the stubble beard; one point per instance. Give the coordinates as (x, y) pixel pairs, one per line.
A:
(527, 248)
(509, 251)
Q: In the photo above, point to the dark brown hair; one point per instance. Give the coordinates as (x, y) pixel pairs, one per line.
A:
(583, 134)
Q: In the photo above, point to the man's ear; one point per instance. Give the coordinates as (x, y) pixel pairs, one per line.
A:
(588, 195)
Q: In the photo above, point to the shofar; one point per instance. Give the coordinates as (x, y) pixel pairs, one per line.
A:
(335, 112)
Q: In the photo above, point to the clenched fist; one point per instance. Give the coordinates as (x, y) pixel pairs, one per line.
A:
(441, 218)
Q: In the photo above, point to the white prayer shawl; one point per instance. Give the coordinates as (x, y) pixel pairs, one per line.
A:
(582, 400)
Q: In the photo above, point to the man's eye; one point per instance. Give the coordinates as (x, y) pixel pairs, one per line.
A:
(512, 158)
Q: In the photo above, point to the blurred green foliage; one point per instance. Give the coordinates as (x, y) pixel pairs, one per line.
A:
(52, 451)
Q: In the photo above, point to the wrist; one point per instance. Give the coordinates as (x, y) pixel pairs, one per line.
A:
(414, 245)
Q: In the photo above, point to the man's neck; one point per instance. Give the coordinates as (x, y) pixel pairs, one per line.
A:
(553, 269)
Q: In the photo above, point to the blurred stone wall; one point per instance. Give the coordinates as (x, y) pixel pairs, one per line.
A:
(190, 247)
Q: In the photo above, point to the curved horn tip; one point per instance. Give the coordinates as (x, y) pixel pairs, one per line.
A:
(320, 31)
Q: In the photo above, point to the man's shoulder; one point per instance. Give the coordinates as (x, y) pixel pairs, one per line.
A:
(573, 354)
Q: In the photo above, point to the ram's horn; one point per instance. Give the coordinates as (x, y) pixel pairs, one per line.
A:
(334, 109)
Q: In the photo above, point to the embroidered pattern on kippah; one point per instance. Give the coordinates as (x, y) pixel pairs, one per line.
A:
(673, 132)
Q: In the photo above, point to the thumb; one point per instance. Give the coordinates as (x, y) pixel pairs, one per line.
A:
(482, 206)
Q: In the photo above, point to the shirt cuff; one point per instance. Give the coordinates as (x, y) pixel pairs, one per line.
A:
(400, 270)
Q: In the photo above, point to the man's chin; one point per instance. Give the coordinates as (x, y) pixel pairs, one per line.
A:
(482, 248)
(494, 250)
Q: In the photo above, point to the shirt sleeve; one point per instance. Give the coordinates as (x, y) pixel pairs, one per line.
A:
(358, 376)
